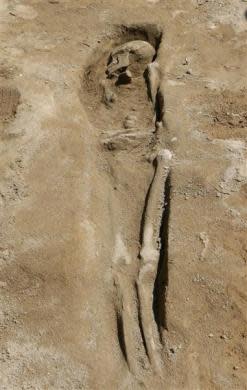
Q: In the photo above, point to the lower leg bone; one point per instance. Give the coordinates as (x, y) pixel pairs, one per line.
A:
(149, 255)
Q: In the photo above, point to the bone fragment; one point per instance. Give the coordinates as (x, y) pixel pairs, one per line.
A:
(108, 96)
(154, 77)
(130, 121)
(121, 141)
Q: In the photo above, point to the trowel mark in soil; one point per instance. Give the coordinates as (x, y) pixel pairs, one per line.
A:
(9, 101)
(124, 100)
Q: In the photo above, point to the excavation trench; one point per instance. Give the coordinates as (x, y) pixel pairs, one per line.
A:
(125, 104)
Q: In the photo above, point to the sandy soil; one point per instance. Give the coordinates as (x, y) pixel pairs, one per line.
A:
(121, 268)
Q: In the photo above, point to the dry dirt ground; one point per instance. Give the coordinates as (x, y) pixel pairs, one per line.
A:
(78, 195)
